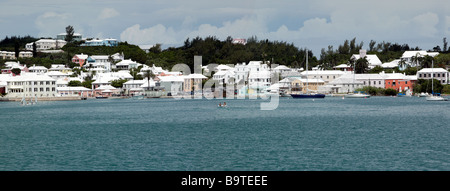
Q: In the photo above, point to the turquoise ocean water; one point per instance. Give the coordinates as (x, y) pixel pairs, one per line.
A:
(332, 134)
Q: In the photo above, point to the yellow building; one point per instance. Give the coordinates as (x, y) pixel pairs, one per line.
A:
(193, 82)
(298, 85)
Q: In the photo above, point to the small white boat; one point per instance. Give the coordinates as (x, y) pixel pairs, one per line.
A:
(357, 95)
(423, 95)
(436, 98)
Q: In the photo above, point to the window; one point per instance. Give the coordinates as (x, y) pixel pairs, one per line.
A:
(420, 75)
(406, 82)
(379, 82)
(393, 83)
(439, 75)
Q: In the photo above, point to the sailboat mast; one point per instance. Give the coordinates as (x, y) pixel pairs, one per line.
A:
(307, 72)
(432, 77)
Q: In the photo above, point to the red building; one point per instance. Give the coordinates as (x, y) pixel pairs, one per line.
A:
(399, 82)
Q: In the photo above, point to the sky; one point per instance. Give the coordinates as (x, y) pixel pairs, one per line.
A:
(307, 24)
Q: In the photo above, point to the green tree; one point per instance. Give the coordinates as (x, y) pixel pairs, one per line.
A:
(390, 92)
(69, 34)
(361, 66)
(118, 83)
(16, 71)
(74, 83)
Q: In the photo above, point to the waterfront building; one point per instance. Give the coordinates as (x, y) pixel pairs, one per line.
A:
(398, 81)
(132, 86)
(326, 75)
(374, 80)
(303, 85)
(74, 91)
(173, 85)
(344, 84)
(31, 85)
(105, 91)
(439, 74)
(193, 82)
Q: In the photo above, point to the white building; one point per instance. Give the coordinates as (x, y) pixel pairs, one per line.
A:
(127, 64)
(31, 85)
(408, 56)
(374, 80)
(371, 58)
(46, 44)
(439, 74)
(172, 84)
(326, 75)
(38, 69)
(344, 84)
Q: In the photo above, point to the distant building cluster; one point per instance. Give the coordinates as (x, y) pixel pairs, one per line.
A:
(246, 78)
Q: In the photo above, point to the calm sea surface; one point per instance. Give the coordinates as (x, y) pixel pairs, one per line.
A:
(380, 133)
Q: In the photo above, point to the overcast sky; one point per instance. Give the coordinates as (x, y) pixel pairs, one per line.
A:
(311, 24)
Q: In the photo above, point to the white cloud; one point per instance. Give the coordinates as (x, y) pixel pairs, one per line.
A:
(425, 24)
(108, 13)
(153, 35)
(51, 23)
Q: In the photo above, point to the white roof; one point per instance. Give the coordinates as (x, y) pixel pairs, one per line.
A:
(260, 74)
(31, 77)
(368, 76)
(371, 58)
(223, 67)
(134, 82)
(394, 76)
(171, 78)
(82, 56)
(37, 68)
(342, 66)
(195, 76)
(391, 64)
(420, 53)
(430, 70)
(74, 88)
(106, 87)
(281, 67)
(324, 72)
(56, 73)
(345, 79)
(309, 80)
(126, 62)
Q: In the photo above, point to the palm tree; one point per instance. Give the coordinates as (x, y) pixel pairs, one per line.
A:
(149, 74)
(362, 65)
(402, 63)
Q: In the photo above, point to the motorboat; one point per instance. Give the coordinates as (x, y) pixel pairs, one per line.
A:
(357, 95)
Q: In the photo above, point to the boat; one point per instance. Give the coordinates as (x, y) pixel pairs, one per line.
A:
(311, 95)
(308, 95)
(357, 95)
(434, 96)
(423, 94)
(101, 97)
